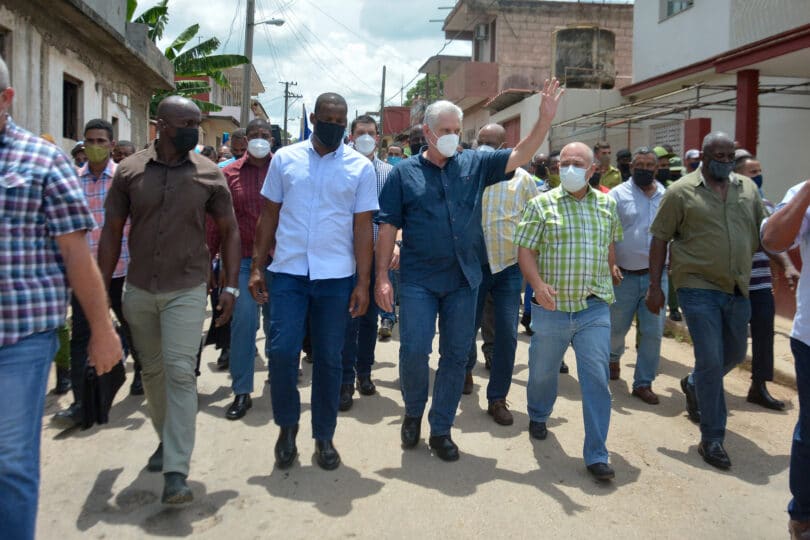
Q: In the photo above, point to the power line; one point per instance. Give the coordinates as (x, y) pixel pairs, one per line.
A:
(233, 21)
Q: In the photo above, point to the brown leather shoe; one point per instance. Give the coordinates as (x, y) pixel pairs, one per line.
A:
(646, 394)
(500, 413)
(468, 384)
(799, 530)
(615, 371)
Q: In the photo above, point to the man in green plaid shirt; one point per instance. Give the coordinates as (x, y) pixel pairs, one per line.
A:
(565, 240)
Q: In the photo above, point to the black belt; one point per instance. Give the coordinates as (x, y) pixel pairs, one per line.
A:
(642, 272)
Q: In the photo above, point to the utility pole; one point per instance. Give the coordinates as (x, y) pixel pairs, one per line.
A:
(287, 96)
(382, 105)
(245, 116)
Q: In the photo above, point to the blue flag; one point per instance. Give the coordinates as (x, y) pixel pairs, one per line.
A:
(305, 131)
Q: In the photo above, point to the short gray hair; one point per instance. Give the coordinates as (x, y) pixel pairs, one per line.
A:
(438, 108)
(5, 80)
(643, 151)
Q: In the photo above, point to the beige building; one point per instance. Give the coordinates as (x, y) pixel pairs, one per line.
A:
(74, 60)
(216, 124)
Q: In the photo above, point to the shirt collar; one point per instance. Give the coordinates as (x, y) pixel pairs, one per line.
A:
(108, 172)
(7, 135)
(151, 154)
(659, 188)
(337, 151)
(695, 178)
(591, 193)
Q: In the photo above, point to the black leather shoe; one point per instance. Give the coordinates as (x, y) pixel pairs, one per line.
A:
(601, 471)
(63, 384)
(467, 389)
(224, 360)
(488, 361)
(526, 321)
(365, 386)
(326, 455)
(564, 368)
(71, 416)
(239, 407)
(346, 401)
(692, 408)
(444, 447)
(538, 430)
(411, 431)
(136, 388)
(286, 450)
(758, 393)
(714, 454)
(175, 489)
(155, 463)
(675, 315)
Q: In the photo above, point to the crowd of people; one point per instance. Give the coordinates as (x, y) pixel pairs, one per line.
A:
(330, 242)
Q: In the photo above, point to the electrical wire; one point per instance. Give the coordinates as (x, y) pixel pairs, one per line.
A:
(233, 22)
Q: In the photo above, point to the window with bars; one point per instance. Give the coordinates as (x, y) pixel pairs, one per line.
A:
(673, 7)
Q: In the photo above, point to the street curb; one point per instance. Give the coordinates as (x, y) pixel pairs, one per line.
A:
(783, 371)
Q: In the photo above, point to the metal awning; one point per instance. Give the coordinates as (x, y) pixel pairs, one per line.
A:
(677, 105)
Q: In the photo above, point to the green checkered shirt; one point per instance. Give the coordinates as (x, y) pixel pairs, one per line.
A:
(572, 239)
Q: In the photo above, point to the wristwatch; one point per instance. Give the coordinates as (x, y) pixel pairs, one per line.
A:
(232, 290)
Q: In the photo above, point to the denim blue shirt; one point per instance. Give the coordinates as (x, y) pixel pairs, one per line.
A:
(439, 212)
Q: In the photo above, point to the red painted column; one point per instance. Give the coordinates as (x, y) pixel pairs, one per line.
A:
(747, 118)
(694, 130)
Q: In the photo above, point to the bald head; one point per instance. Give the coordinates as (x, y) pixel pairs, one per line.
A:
(330, 98)
(5, 79)
(492, 135)
(174, 107)
(576, 151)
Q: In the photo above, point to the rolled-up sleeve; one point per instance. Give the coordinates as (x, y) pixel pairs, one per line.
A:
(391, 200)
(668, 218)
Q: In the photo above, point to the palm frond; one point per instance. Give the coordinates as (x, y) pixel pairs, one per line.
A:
(178, 44)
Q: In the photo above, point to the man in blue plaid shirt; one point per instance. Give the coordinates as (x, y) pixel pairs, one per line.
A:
(44, 219)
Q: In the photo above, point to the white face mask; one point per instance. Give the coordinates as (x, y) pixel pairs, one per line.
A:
(573, 178)
(447, 144)
(258, 148)
(485, 148)
(365, 144)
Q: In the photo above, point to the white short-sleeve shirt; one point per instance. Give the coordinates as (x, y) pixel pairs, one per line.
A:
(319, 196)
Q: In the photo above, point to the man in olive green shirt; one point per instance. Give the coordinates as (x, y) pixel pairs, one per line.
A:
(711, 217)
(609, 176)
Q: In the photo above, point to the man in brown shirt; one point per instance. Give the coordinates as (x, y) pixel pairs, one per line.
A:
(711, 218)
(166, 191)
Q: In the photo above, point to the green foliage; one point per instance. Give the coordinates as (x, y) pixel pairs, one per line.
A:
(155, 18)
(428, 94)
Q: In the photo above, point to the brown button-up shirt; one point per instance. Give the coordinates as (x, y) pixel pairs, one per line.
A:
(167, 206)
(712, 241)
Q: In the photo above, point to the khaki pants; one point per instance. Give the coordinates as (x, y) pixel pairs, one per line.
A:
(166, 328)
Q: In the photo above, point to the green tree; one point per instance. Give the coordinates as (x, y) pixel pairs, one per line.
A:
(419, 89)
(189, 63)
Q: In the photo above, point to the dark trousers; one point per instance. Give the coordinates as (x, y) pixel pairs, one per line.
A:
(762, 314)
(80, 336)
(799, 507)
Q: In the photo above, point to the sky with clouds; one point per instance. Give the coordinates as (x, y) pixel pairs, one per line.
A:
(325, 45)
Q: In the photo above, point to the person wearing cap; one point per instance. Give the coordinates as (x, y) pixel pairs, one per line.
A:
(710, 220)
(78, 154)
(691, 160)
(675, 169)
(623, 160)
(663, 155)
(606, 174)
(760, 295)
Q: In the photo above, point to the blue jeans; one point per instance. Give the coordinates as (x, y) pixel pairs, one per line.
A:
(718, 324)
(799, 507)
(325, 302)
(505, 289)
(418, 310)
(23, 377)
(361, 338)
(244, 324)
(630, 297)
(589, 332)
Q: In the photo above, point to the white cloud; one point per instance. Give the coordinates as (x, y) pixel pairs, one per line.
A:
(325, 45)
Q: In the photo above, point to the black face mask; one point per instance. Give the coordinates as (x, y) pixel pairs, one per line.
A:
(594, 180)
(329, 134)
(642, 177)
(624, 168)
(662, 175)
(416, 147)
(185, 139)
(541, 171)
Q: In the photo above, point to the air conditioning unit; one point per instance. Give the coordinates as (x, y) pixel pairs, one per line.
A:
(481, 31)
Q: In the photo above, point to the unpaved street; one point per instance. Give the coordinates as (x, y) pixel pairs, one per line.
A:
(504, 486)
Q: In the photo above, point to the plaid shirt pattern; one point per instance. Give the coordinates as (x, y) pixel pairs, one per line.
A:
(502, 207)
(95, 190)
(381, 169)
(572, 238)
(41, 199)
